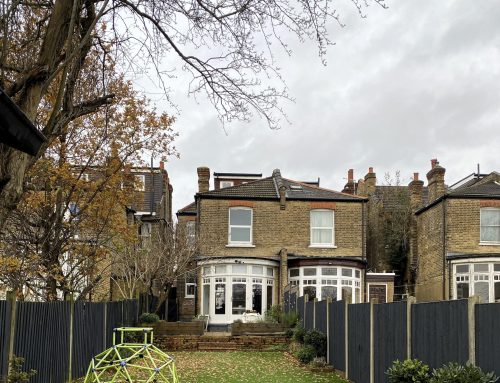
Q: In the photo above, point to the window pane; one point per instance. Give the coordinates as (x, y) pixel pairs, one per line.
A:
(239, 269)
(490, 233)
(462, 268)
(329, 292)
(357, 296)
(240, 217)
(220, 298)
(206, 299)
(358, 273)
(207, 270)
(190, 288)
(240, 234)
(322, 236)
(329, 271)
(497, 292)
(490, 217)
(239, 298)
(322, 219)
(482, 289)
(462, 290)
(481, 268)
(269, 296)
(311, 291)
(347, 294)
(497, 266)
(294, 273)
(257, 270)
(257, 298)
(347, 272)
(309, 272)
(220, 269)
(270, 272)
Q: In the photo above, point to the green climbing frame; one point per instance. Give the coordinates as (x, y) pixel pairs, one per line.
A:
(132, 362)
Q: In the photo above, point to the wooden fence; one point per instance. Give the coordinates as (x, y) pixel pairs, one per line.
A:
(365, 338)
(58, 339)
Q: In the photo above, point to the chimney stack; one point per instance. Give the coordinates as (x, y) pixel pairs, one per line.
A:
(203, 179)
(370, 181)
(350, 186)
(435, 178)
(162, 165)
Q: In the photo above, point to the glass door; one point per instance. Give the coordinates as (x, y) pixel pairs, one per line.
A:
(239, 297)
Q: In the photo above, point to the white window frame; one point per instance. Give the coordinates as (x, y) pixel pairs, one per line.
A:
(240, 243)
(321, 245)
(319, 280)
(491, 276)
(481, 242)
(142, 180)
(189, 284)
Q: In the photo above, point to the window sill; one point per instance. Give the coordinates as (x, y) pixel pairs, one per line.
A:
(189, 296)
(240, 245)
(323, 246)
(489, 243)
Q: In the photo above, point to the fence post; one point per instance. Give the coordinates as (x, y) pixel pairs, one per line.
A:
(409, 303)
(306, 299)
(71, 301)
(11, 297)
(373, 301)
(314, 312)
(471, 308)
(328, 302)
(346, 335)
(105, 324)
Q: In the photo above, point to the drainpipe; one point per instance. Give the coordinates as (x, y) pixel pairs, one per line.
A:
(444, 247)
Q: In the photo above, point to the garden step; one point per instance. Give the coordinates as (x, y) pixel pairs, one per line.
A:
(217, 346)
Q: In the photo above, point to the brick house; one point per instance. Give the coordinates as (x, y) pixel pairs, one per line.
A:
(458, 238)
(257, 237)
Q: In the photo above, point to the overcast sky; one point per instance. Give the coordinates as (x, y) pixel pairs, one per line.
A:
(416, 81)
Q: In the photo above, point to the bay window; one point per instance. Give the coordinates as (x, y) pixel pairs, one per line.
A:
(478, 278)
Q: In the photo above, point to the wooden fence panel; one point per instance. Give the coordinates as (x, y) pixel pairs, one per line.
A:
(5, 308)
(336, 344)
(359, 342)
(309, 320)
(286, 302)
(293, 302)
(300, 309)
(42, 339)
(88, 335)
(390, 337)
(488, 337)
(321, 317)
(114, 318)
(440, 332)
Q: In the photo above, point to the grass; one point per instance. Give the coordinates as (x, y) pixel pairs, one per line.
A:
(241, 367)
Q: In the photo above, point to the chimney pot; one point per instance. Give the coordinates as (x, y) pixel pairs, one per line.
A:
(370, 170)
(415, 176)
(434, 162)
(162, 165)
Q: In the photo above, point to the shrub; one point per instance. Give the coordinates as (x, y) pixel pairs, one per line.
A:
(16, 374)
(456, 373)
(306, 354)
(149, 318)
(274, 314)
(289, 319)
(317, 340)
(299, 333)
(289, 333)
(408, 371)
(237, 321)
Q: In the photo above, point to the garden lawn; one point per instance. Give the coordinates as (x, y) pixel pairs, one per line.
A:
(249, 366)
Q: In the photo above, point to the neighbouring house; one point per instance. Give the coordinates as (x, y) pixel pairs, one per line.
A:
(258, 237)
(388, 237)
(458, 238)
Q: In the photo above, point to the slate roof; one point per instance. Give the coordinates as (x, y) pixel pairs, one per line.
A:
(188, 210)
(268, 189)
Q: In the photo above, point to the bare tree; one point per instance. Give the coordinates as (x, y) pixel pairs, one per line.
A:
(45, 45)
(155, 263)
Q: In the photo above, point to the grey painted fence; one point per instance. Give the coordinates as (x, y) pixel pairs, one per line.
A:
(439, 332)
(59, 338)
(487, 339)
(377, 334)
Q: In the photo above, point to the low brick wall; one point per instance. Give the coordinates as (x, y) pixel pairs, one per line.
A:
(220, 343)
(164, 328)
(259, 328)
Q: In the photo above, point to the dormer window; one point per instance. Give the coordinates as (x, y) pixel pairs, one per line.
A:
(226, 184)
(240, 226)
(322, 234)
(490, 225)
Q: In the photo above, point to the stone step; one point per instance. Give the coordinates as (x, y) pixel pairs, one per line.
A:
(217, 346)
